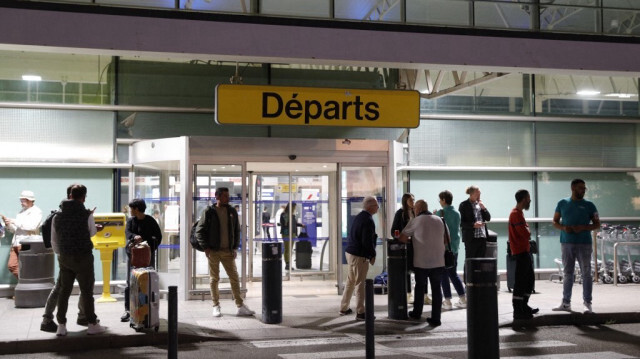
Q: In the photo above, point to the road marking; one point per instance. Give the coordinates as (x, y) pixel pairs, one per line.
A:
(360, 339)
(598, 355)
(424, 350)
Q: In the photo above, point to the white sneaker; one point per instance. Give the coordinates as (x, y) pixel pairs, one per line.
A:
(563, 307)
(587, 308)
(216, 311)
(462, 302)
(427, 300)
(446, 305)
(62, 330)
(94, 329)
(245, 311)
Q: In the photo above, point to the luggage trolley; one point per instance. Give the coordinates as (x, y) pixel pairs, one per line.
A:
(624, 270)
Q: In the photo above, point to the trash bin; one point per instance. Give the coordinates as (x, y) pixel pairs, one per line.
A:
(492, 249)
(482, 308)
(35, 275)
(397, 279)
(272, 282)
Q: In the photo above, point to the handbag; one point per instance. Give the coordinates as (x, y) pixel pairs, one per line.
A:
(140, 255)
(449, 256)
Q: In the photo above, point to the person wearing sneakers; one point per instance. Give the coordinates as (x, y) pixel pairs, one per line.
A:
(519, 236)
(427, 233)
(576, 217)
(360, 253)
(218, 232)
(140, 227)
(75, 226)
(452, 219)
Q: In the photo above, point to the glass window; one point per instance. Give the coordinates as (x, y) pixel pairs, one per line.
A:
(372, 10)
(438, 12)
(502, 15)
(241, 6)
(471, 143)
(581, 16)
(316, 8)
(586, 144)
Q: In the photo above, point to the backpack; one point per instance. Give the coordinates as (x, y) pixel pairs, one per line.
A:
(46, 228)
(192, 237)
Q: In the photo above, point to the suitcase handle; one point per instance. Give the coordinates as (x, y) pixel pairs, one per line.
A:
(153, 297)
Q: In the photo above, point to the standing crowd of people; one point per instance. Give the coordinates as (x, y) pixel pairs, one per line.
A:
(428, 233)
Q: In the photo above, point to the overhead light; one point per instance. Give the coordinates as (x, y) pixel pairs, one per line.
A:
(31, 78)
(588, 92)
(621, 95)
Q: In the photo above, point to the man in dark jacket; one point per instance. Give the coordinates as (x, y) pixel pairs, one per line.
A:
(218, 232)
(74, 227)
(140, 228)
(360, 252)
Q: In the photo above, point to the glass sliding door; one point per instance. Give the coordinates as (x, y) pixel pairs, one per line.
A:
(207, 178)
(356, 184)
(306, 241)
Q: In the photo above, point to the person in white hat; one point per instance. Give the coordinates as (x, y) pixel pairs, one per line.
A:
(26, 223)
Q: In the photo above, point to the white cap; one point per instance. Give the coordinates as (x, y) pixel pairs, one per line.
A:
(27, 195)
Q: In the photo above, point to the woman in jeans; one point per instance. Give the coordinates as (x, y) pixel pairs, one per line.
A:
(452, 219)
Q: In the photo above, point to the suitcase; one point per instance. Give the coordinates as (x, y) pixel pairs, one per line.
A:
(140, 255)
(303, 254)
(144, 299)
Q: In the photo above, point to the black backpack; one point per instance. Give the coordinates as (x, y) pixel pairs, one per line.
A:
(192, 238)
(46, 228)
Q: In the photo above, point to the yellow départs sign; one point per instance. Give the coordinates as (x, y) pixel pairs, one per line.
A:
(310, 106)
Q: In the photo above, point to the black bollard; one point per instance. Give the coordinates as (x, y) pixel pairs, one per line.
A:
(397, 279)
(173, 322)
(368, 319)
(482, 308)
(272, 282)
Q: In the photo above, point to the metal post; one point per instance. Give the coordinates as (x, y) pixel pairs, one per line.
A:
(272, 282)
(482, 309)
(368, 316)
(173, 322)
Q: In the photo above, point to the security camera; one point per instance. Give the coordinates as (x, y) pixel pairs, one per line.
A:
(292, 157)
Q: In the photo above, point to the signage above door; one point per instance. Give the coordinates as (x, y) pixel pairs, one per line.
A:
(310, 106)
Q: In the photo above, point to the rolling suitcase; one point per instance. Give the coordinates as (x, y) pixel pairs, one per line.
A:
(303, 254)
(144, 299)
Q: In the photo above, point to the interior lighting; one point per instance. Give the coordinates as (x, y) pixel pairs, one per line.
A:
(621, 95)
(31, 78)
(588, 92)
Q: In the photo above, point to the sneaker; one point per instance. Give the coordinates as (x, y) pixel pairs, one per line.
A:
(95, 329)
(346, 312)
(360, 316)
(49, 326)
(216, 311)
(427, 300)
(587, 308)
(563, 307)
(434, 323)
(245, 311)
(125, 317)
(84, 321)
(62, 330)
(413, 316)
(446, 305)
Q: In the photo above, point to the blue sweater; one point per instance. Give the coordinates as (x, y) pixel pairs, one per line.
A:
(362, 239)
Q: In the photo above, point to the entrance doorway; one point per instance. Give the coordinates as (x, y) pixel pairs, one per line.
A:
(295, 207)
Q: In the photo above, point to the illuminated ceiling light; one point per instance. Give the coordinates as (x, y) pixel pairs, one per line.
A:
(31, 78)
(621, 95)
(588, 92)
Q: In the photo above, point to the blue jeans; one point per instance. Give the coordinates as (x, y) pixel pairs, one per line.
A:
(570, 253)
(435, 278)
(451, 273)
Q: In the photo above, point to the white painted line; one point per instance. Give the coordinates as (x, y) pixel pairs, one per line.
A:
(339, 354)
(598, 355)
(437, 335)
(302, 342)
(512, 345)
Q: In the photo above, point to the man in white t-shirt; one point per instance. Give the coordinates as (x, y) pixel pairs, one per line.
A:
(427, 232)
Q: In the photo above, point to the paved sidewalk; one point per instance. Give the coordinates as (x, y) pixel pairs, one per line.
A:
(310, 309)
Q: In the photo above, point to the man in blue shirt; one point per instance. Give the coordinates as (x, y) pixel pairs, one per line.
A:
(576, 217)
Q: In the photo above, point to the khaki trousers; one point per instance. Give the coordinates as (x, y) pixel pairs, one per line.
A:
(358, 267)
(228, 262)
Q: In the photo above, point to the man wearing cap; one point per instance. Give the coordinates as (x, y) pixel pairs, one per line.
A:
(26, 224)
